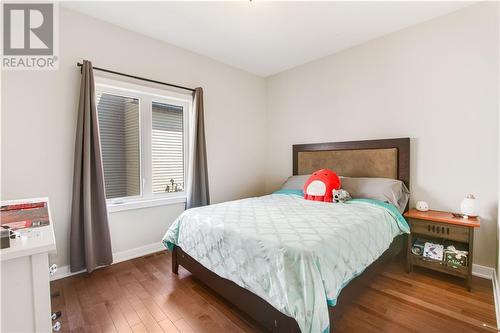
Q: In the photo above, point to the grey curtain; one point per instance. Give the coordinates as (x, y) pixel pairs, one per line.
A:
(90, 244)
(197, 191)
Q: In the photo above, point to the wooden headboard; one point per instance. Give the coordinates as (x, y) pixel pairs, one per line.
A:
(387, 158)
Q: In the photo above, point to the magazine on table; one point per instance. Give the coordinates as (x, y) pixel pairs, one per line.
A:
(24, 215)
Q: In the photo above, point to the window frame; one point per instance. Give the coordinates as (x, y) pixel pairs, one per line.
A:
(146, 96)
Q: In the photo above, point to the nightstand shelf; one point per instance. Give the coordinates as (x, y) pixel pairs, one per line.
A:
(438, 266)
(442, 228)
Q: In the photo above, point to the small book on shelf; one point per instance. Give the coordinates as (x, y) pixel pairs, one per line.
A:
(433, 251)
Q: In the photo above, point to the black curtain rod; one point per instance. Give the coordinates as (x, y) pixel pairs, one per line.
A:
(79, 64)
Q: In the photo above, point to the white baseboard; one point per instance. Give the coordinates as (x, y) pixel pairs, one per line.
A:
(483, 271)
(496, 296)
(64, 271)
(137, 252)
(490, 274)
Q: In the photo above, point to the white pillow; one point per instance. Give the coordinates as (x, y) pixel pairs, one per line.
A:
(295, 182)
(384, 189)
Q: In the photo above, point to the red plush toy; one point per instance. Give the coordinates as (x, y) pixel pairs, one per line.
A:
(320, 185)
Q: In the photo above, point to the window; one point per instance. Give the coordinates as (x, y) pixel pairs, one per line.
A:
(167, 145)
(119, 133)
(143, 133)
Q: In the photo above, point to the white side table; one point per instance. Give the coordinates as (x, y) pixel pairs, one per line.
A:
(25, 285)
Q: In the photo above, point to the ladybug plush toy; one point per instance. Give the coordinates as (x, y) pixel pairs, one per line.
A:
(320, 185)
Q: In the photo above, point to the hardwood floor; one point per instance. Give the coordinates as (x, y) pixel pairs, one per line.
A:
(142, 295)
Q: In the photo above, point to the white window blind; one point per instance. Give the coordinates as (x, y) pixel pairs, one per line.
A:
(119, 133)
(167, 144)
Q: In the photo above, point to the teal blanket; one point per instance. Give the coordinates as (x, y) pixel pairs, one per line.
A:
(294, 253)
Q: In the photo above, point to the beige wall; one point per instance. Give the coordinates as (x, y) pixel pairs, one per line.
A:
(436, 83)
(39, 120)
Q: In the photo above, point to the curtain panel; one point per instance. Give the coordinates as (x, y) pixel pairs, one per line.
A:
(197, 190)
(90, 243)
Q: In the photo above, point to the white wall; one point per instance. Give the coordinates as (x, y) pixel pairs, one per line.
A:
(39, 121)
(436, 82)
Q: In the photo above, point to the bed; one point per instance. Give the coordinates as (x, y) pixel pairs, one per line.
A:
(285, 261)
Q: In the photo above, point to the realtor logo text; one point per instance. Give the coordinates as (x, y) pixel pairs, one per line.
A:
(29, 41)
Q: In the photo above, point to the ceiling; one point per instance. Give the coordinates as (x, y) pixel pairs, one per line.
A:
(260, 37)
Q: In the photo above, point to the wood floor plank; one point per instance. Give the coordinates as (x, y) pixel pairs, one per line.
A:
(139, 328)
(168, 307)
(103, 318)
(154, 309)
(91, 322)
(226, 309)
(450, 301)
(367, 320)
(121, 324)
(404, 314)
(465, 320)
(128, 312)
(142, 295)
(73, 310)
(146, 318)
(183, 326)
(459, 297)
(168, 326)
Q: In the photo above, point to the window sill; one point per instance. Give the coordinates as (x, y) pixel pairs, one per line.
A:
(146, 203)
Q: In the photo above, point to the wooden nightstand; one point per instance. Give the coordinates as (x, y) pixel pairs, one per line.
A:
(443, 228)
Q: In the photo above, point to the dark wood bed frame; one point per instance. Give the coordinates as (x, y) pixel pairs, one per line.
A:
(261, 311)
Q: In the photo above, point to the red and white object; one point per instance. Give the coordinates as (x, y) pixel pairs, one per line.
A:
(320, 185)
